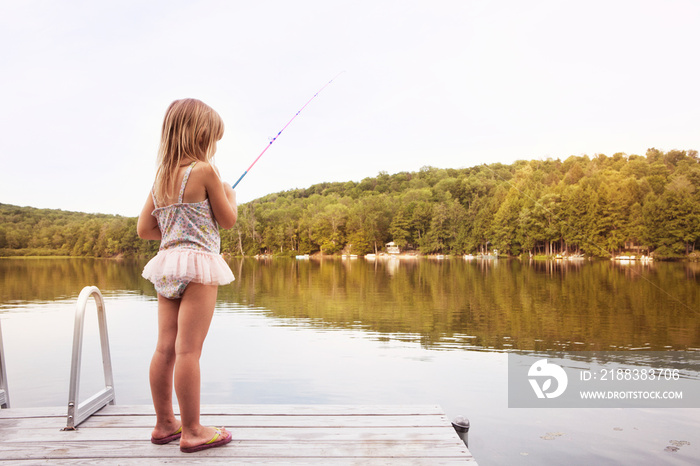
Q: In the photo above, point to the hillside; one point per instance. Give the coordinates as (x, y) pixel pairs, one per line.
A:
(27, 231)
(597, 206)
(592, 205)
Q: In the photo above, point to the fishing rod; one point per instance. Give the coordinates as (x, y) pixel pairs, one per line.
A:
(285, 127)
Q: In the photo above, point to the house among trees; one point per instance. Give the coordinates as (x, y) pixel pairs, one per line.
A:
(392, 248)
(633, 246)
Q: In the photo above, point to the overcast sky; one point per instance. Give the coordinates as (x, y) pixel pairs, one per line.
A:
(450, 84)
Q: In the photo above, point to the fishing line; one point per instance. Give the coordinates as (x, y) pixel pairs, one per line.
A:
(589, 242)
(285, 127)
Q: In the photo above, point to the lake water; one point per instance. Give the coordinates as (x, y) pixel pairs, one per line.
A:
(385, 332)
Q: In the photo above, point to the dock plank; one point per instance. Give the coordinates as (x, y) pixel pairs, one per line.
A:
(263, 434)
(309, 435)
(239, 410)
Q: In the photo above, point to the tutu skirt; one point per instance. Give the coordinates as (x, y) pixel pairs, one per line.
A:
(189, 265)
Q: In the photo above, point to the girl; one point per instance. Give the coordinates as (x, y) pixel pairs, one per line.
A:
(187, 205)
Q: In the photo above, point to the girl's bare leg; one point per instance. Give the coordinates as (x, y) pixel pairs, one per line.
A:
(162, 365)
(194, 317)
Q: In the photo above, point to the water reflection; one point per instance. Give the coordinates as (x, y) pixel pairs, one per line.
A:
(37, 280)
(687, 363)
(486, 304)
(452, 303)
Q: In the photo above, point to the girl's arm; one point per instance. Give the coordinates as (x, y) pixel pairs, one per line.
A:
(221, 196)
(147, 225)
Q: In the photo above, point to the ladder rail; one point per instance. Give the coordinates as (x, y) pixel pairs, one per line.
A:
(4, 392)
(79, 412)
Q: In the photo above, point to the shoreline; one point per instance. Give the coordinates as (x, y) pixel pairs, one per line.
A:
(381, 256)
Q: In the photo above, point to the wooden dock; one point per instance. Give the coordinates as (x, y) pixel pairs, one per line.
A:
(262, 434)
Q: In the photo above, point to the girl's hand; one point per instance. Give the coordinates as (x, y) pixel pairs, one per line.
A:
(230, 193)
(221, 196)
(231, 196)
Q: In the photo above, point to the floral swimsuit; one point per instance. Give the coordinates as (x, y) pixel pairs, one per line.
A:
(189, 248)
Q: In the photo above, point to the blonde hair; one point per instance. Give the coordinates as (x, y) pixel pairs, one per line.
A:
(190, 131)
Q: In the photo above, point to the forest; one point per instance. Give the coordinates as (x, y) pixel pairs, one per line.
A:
(597, 206)
(27, 231)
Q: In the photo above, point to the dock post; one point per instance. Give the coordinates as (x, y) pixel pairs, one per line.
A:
(461, 426)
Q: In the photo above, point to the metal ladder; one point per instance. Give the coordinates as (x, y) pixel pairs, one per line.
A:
(4, 394)
(77, 413)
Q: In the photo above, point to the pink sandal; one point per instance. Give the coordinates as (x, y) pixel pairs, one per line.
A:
(216, 441)
(162, 441)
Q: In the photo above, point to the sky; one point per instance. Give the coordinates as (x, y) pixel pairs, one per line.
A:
(448, 84)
